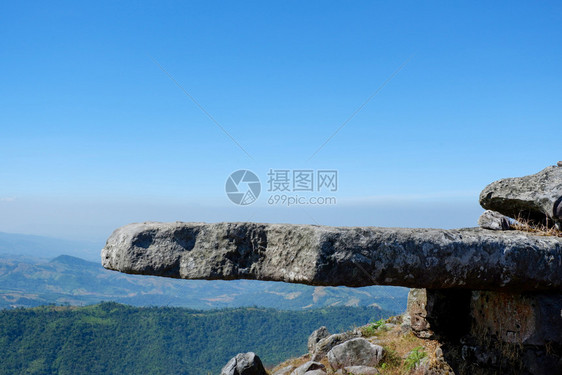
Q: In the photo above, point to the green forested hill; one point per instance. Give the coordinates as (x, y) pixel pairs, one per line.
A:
(111, 338)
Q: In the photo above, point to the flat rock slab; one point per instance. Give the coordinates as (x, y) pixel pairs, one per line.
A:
(471, 258)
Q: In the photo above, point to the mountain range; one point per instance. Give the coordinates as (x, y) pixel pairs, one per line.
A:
(27, 280)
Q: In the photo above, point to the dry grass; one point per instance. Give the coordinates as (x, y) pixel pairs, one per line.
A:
(525, 225)
(397, 347)
(295, 362)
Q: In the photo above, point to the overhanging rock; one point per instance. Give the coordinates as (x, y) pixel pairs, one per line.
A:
(537, 197)
(471, 258)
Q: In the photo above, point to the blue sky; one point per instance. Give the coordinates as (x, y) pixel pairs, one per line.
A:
(95, 135)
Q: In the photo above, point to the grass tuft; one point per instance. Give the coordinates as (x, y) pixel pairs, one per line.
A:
(541, 229)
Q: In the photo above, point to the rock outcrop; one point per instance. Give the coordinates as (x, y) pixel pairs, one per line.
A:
(472, 258)
(488, 332)
(315, 337)
(536, 197)
(365, 354)
(493, 298)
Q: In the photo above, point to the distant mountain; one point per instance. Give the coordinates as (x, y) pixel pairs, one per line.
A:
(46, 247)
(28, 282)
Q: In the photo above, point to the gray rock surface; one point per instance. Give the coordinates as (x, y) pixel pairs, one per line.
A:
(490, 332)
(326, 344)
(316, 372)
(285, 370)
(434, 312)
(534, 197)
(244, 364)
(355, 352)
(406, 325)
(316, 336)
(471, 258)
(493, 220)
(308, 367)
(417, 310)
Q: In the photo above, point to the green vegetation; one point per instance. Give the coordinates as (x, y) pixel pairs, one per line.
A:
(379, 324)
(111, 338)
(415, 357)
(371, 329)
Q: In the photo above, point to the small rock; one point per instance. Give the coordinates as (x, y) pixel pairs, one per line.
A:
(355, 352)
(493, 220)
(360, 370)
(439, 353)
(316, 336)
(308, 367)
(406, 325)
(357, 332)
(244, 364)
(389, 326)
(559, 164)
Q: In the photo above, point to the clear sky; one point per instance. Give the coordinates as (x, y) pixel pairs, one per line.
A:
(95, 132)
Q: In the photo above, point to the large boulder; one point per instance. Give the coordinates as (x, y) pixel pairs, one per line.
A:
(535, 197)
(316, 336)
(472, 258)
(355, 352)
(244, 364)
(326, 344)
